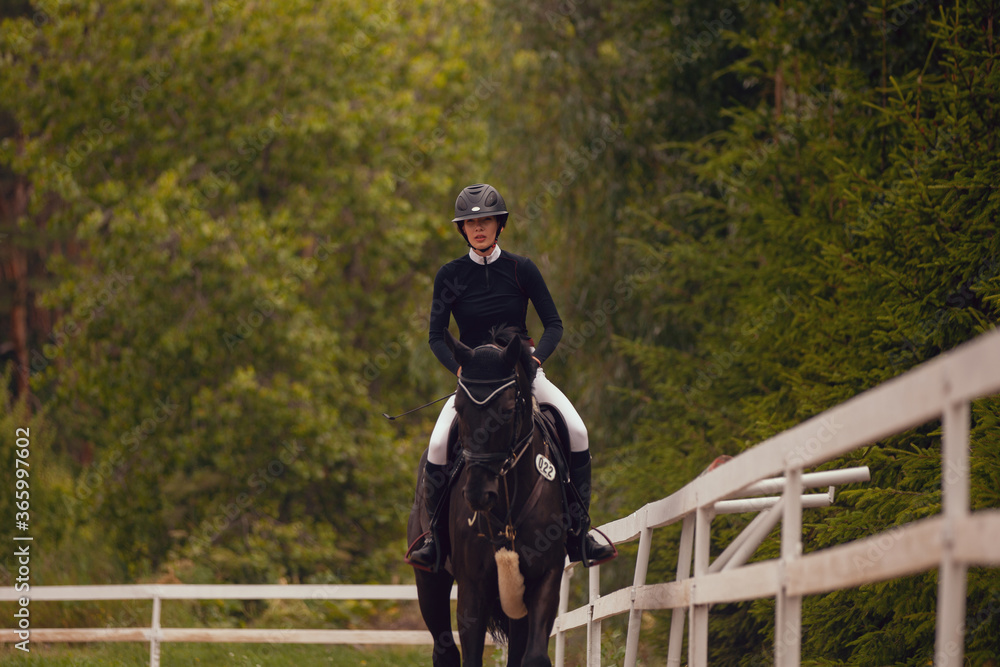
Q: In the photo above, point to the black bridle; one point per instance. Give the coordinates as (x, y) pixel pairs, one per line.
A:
(499, 463)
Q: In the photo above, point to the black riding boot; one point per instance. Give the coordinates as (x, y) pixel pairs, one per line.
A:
(429, 555)
(580, 546)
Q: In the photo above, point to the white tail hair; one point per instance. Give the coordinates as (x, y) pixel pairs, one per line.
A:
(511, 583)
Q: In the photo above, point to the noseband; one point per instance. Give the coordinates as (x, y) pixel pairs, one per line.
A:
(506, 460)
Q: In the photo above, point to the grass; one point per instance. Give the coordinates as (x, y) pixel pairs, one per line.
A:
(219, 655)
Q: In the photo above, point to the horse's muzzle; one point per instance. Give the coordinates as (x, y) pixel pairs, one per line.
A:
(482, 500)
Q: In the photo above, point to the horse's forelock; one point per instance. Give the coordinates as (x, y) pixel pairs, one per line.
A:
(502, 335)
(487, 363)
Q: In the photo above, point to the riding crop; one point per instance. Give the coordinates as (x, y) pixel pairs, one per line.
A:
(403, 414)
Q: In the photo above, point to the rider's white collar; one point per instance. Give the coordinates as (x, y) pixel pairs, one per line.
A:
(479, 259)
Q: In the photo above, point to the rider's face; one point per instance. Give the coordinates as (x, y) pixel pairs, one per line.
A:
(482, 233)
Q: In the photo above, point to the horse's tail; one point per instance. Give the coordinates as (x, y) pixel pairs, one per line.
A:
(498, 624)
(511, 583)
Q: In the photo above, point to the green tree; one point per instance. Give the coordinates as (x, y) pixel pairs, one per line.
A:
(843, 230)
(253, 217)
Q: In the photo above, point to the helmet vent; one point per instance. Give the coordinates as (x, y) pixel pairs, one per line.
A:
(460, 204)
(491, 199)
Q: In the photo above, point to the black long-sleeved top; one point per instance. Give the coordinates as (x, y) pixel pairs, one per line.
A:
(484, 295)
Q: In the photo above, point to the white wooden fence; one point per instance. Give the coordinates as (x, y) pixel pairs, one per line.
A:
(156, 634)
(951, 542)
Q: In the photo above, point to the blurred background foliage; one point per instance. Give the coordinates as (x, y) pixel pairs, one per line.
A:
(221, 221)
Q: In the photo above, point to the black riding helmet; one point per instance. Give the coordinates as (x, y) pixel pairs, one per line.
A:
(478, 201)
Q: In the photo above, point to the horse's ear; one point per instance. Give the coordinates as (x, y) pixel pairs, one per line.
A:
(512, 353)
(528, 359)
(463, 353)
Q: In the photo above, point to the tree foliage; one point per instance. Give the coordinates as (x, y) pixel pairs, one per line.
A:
(240, 181)
(842, 230)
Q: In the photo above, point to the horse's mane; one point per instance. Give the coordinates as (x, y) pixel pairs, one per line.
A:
(502, 335)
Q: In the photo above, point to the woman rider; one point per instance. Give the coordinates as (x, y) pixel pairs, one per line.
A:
(486, 288)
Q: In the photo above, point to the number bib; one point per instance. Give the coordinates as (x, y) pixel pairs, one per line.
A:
(545, 467)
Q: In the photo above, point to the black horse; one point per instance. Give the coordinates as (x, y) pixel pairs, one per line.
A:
(506, 527)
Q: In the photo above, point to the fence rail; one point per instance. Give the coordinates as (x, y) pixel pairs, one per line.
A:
(951, 542)
(156, 634)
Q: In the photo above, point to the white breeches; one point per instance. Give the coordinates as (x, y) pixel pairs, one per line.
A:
(545, 392)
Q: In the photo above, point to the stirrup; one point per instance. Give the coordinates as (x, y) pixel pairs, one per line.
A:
(417, 543)
(582, 541)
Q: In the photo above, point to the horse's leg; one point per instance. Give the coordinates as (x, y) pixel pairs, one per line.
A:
(517, 640)
(543, 605)
(434, 593)
(472, 614)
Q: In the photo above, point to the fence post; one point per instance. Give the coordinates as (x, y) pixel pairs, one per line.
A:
(788, 621)
(154, 634)
(683, 572)
(949, 644)
(698, 624)
(639, 579)
(594, 627)
(563, 608)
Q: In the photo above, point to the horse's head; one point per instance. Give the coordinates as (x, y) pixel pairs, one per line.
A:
(493, 402)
